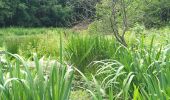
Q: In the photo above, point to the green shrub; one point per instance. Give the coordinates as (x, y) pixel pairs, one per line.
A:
(156, 14)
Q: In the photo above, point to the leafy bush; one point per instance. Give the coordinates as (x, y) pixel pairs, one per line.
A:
(156, 14)
(151, 14)
(51, 13)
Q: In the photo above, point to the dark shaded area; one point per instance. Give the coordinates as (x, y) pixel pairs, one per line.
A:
(43, 13)
(157, 14)
(66, 13)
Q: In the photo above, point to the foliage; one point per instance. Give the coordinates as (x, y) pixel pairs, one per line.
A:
(140, 71)
(82, 50)
(105, 14)
(33, 13)
(34, 84)
(25, 45)
(12, 44)
(19, 31)
(145, 77)
(24, 41)
(83, 9)
(157, 13)
(153, 13)
(47, 13)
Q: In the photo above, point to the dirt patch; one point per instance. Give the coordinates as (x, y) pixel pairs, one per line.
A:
(81, 26)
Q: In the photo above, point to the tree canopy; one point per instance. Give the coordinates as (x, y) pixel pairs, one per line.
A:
(34, 13)
(59, 13)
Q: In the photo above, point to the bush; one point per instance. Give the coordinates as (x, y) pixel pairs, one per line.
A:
(156, 14)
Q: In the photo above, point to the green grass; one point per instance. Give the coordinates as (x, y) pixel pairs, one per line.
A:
(25, 84)
(30, 31)
(25, 45)
(24, 41)
(17, 83)
(139, 72)
(146, 77)
(82, 50)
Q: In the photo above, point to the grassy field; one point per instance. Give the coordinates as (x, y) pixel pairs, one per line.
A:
(92, 67)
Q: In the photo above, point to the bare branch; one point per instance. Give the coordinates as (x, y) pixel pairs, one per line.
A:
(114, 21)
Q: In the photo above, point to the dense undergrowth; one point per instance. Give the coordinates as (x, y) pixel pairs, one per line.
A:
(107, 69)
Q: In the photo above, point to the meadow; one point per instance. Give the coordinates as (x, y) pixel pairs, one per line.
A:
(92, 66)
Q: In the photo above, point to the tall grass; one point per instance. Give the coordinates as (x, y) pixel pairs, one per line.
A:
(147, 77)
(12, 44)
(82, 50)
(1, 40)
(20, 31)
(43, 45)
(18, 83)
(24, 41)
(139, 72)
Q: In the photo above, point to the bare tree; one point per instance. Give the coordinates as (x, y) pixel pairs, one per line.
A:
(119, 9)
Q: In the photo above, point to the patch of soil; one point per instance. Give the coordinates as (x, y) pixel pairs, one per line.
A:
(81, 26)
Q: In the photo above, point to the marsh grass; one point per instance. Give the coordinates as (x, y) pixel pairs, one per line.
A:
(1, 40)
(82, 50)
(139, 72)
(145, 79)
(25, 84)
(12, 44)
(24, 41)
(20, 31)
(18, 83)
(43, 45)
